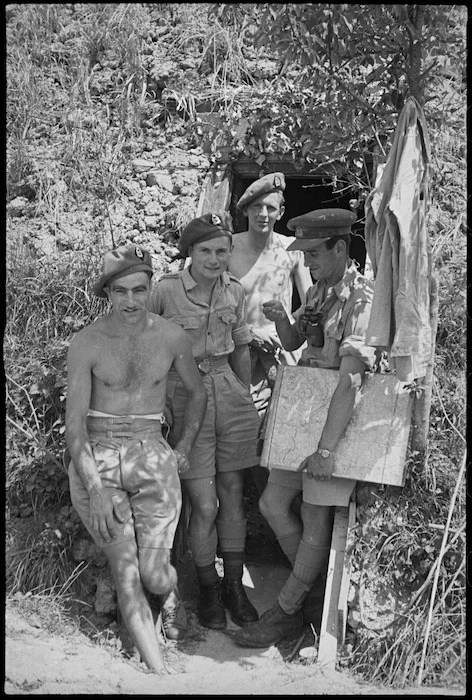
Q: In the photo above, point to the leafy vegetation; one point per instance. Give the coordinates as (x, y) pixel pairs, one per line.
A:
(92, 86)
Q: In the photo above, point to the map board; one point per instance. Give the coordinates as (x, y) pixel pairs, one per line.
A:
(375, 442)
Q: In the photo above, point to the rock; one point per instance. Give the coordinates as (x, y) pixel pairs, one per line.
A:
(153, 209)
(140, 165)
(161, 179)
(17, 206)
(83, 550)
(151, 222)
(132, 189)
(105, 597)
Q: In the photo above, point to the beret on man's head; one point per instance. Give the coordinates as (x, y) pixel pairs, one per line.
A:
(273, 182)
(122, 261)
(211, 225)
(318, 226)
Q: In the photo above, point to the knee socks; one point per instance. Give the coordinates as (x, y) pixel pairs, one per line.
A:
(310, 562)
(289, 544)
(232, 540)
(203, 553)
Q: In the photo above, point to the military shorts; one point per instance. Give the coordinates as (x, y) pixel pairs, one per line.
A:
(139, 468)
(227, 440)
(334, 492)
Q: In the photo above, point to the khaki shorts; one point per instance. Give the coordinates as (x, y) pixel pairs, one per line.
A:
(227, 440)
(140, 470)
(334, 492)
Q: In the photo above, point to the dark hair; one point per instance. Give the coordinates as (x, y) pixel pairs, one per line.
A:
(332, 241)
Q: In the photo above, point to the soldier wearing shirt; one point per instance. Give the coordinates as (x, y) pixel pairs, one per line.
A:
(209, 304)
(333, 322)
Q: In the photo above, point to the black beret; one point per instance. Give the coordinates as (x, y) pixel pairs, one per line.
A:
(273, 182)
(211, 225)
(318, 226)
(122, 261)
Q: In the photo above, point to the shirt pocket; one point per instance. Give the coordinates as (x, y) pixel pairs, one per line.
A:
(188, 323)
(227, 319)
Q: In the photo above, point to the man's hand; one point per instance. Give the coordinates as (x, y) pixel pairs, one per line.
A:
(273, 310)
(318, 467)
(183, 464)
(104, 512)
(265, 339)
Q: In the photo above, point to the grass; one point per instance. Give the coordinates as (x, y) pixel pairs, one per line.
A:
(77, 98)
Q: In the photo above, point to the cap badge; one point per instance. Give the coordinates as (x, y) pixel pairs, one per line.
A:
(215, 220)
(277, 182)
(139, 253)
(298, 232)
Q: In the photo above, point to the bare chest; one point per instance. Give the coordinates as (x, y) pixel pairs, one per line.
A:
(130, 363)
(243, 258)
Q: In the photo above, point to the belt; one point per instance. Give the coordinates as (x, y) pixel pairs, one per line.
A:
(206, 364)
(123, 426)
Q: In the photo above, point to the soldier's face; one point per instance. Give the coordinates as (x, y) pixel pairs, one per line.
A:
(263, 212)
(129, 296)
(323, 263)
(210, 258)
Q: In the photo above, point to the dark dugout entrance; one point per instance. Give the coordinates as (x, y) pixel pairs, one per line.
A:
(303, 194)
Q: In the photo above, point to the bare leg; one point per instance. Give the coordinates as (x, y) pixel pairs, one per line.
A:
(229, 486)
(134, 607)
(203, 505)
(276, 506)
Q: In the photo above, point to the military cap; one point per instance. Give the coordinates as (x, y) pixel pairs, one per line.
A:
(318, 226)
(211, 225)
(273, 182)
(122, 261)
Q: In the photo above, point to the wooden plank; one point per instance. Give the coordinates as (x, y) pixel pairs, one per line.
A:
(216, 192)
(345, 581)
(329, 632)
(375, 442)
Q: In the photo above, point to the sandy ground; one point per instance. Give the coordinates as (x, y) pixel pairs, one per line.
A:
(209, 663)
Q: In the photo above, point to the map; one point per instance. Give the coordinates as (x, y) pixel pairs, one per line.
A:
(375, 442)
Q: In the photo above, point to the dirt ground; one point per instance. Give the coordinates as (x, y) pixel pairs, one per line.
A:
(207, 663)
(85, 657)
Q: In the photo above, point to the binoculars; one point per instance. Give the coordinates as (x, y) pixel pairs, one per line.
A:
(311, 326)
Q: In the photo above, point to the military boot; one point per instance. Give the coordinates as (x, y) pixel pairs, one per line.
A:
(173, 617)
(234, 597)
(273, 626)
(211, 611)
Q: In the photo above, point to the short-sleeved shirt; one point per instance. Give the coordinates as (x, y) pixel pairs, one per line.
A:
(345, 325)
(214, 329)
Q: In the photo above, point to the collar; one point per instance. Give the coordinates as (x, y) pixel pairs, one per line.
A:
(189, 282)
(344, 287)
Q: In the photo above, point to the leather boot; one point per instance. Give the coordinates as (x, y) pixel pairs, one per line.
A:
(173, 618)
(272, 627)
(211, 611)
(234, 596)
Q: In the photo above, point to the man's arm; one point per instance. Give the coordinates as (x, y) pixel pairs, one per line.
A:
(288, 333)
(340, 410)
(302, 278)
(187, 370)
(240, 361)
(79, 387)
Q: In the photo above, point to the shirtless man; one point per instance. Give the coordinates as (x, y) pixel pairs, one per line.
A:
(124, 477)
(267, 271)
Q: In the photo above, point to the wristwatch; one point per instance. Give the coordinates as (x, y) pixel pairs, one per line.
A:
(324, 453)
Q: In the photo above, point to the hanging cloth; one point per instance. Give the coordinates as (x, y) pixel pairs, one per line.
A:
(399, 250)
(403, 319)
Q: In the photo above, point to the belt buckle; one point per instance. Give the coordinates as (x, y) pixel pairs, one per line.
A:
(204, 365)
